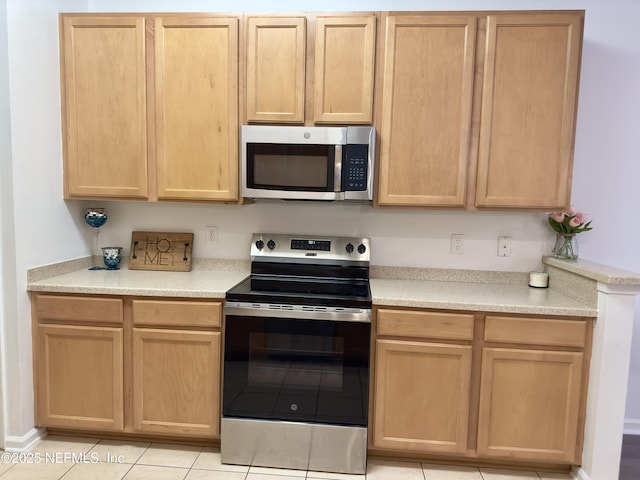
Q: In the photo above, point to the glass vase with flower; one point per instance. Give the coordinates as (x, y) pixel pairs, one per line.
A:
(567, 226)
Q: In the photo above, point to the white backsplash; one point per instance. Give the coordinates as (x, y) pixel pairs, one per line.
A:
(399, 237)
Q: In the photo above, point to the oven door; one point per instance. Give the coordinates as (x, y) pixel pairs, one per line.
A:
(279, 366)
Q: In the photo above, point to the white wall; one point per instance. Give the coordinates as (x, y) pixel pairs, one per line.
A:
(400, 237)
(7, 271)
(47, 229)
(39, 227)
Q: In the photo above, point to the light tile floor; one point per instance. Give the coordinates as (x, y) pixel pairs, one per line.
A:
(123, 460)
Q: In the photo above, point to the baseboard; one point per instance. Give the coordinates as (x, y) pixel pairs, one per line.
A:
(25, 442)
(632, 426)
(579, 474)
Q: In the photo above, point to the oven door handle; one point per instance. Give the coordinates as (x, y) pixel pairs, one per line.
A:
(303, 312)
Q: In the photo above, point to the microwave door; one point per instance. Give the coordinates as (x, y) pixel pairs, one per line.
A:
(292, 171)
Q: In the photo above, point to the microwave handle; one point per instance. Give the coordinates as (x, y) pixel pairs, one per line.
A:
(337, 173)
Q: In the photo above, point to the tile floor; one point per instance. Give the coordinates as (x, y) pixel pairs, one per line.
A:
(124, 460)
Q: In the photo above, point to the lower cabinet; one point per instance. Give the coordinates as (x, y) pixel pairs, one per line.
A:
(422, 387)
(414, 380)
(78, 362)
(176, 367)
(531, 396)
(79, 382)
(132, 365)
(513, 391)
(176, 380)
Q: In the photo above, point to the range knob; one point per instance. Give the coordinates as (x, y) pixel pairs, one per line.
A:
(259, 244)
(362, 248)
(349, 247)
(271, 244)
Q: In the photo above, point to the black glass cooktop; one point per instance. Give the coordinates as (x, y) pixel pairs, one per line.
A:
(296, 291)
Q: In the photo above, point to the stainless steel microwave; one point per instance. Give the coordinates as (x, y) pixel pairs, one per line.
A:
(307, 163)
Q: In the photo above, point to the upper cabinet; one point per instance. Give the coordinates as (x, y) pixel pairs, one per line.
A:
(472, 109)
(104, 106)
(150, 107)
(275, 69)
(529, 98)
(424, 128)
(478, 110)
(339, 53)
(196, 90)
(344, 69)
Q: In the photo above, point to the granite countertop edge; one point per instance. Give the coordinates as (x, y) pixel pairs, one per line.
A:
(581, 311)
(595, 271)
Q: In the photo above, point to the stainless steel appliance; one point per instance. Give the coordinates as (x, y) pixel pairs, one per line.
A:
(296, 356)
(307, 163)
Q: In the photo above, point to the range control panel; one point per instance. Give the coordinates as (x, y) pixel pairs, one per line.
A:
(275, 246)
(324, 245)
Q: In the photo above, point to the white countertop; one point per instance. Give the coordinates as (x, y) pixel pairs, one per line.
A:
(212, 280)
(485, 297)
(142, 283)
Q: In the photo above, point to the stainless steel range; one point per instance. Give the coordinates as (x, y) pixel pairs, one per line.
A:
(296, 360)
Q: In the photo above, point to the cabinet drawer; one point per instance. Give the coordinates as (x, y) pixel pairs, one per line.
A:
(79, 309)
(409, 323)
(535, 331)
(177, 313)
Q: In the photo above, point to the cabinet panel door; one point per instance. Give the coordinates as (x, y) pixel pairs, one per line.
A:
(176, 382)
(344, 67)
(196, 67)
(529, 102)
(80, 377)
(276, 54)
(529, 404)
(413, 381)
(104, 107)
(426, 110)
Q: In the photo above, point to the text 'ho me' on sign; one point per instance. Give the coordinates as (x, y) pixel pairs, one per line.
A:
(161, 251)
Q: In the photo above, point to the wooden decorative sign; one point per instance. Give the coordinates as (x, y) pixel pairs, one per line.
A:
(167, 251)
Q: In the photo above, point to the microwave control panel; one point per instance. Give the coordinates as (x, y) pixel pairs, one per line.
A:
(355, 168)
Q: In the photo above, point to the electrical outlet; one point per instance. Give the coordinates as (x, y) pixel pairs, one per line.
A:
(504, 246)
(211, 235)
(457, 244)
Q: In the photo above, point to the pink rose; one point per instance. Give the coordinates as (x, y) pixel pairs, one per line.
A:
(557, 216)
(574, 222)
(572, 211)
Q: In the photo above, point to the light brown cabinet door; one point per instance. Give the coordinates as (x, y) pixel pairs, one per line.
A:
(529, 405)
(421, 396)
(276, 54)
(425, 126)
(529, 102)
(344, 68)
(104, 107)
(176, 382)
(80, 377)
(196, 83)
